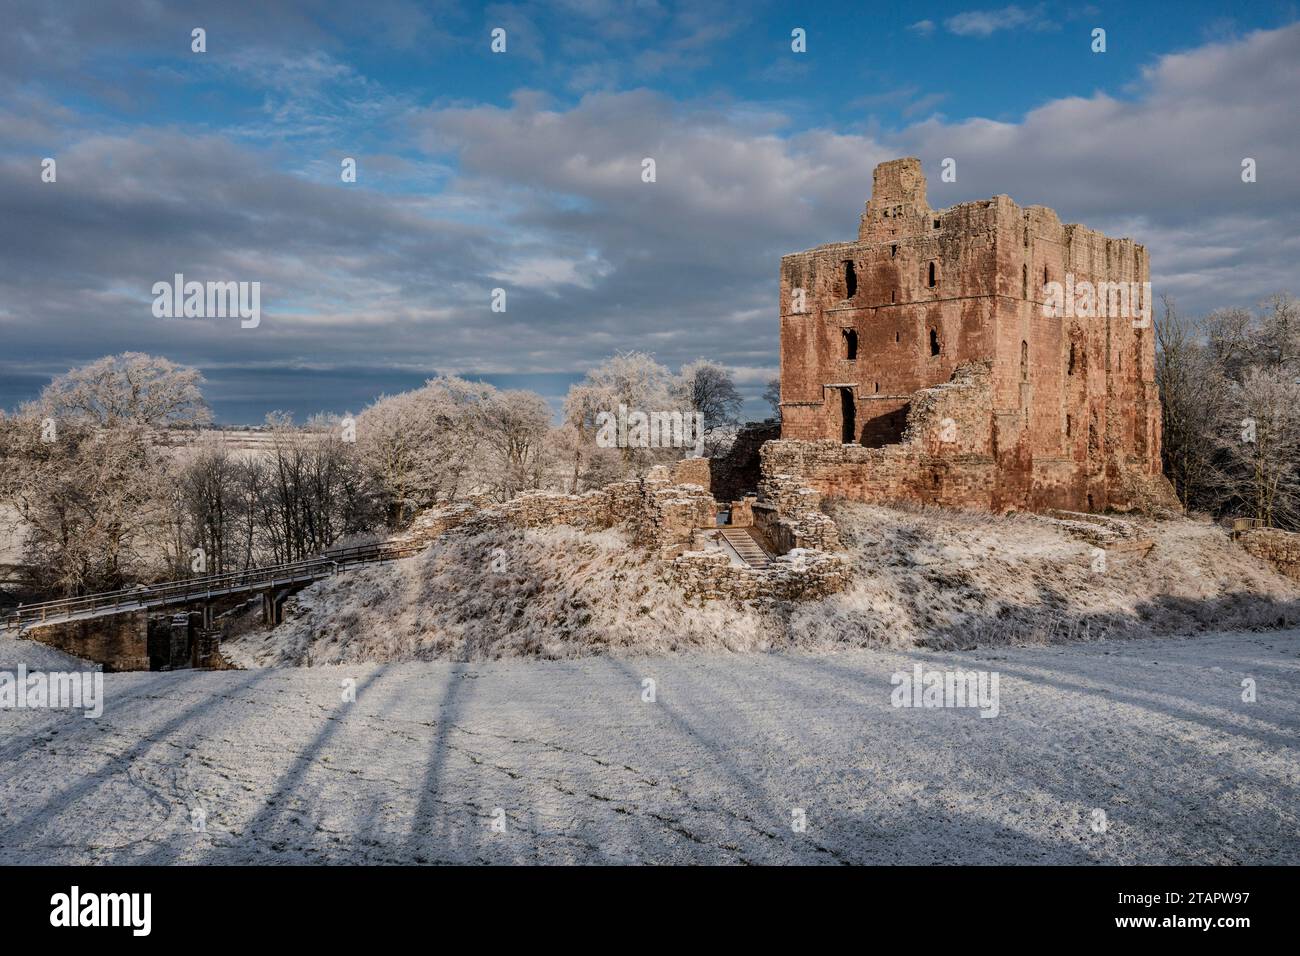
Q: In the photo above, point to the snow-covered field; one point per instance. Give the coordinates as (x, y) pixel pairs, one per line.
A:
(580, 768)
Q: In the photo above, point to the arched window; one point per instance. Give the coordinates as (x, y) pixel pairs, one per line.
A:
(931, 275)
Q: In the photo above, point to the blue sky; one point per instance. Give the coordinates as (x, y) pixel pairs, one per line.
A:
(521, 170)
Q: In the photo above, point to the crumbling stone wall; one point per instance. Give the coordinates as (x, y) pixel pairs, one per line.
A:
(800, 575)
(788, 516)
(658, 513)
(692, 471)
(662, 515)
(928, 332)
(1279, 548)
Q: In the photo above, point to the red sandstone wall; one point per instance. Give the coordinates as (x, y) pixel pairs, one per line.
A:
(1071, 412)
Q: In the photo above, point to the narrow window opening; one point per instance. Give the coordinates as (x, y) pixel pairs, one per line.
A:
(877, 388)
(893, 251)
(1044, 275)
(850, 280)
(847, 416)
(1026, 237)
(896, 337)
(1069, 426)
(892, 293)
(1024, 282)
(850, 344)
(1070, 367)
(931, 275)
(934, 342)
(936, 224)
(1024, 361)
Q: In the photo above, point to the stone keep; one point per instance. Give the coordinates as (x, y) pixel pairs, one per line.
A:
(917, 363)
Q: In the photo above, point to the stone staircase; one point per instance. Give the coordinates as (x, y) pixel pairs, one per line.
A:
(745, 545)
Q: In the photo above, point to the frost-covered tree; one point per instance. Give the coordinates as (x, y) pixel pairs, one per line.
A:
(128, 390)
(513, 426)
(1262, 447)
(1194, 395)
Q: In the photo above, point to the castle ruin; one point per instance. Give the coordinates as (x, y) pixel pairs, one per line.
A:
(982, 356)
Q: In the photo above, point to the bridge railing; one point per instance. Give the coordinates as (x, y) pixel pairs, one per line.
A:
(197, 588)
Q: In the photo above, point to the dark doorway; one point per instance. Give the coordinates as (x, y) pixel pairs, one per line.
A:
(848, 417)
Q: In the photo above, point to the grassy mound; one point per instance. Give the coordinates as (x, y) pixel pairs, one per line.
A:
(921, 576)
(548, 593)
(958, 579)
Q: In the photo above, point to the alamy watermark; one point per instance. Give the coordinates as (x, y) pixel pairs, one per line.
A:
(58, 690)
(1098, 300)
(75, 908)
(638, 429)
(208, 300)
(922, 688)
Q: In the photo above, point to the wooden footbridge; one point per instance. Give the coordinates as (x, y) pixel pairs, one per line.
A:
(201, 590)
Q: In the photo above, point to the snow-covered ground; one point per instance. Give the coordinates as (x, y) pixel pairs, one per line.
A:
(920, 577)
(1152, 733)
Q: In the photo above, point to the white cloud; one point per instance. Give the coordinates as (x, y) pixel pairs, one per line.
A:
(548, 201)
(982, 23)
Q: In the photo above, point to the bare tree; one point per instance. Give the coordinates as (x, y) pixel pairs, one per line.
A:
(707, 387)
(772, 395)
(209, 488)
(313, 490)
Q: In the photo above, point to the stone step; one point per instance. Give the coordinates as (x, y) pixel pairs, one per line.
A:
(745, 545)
